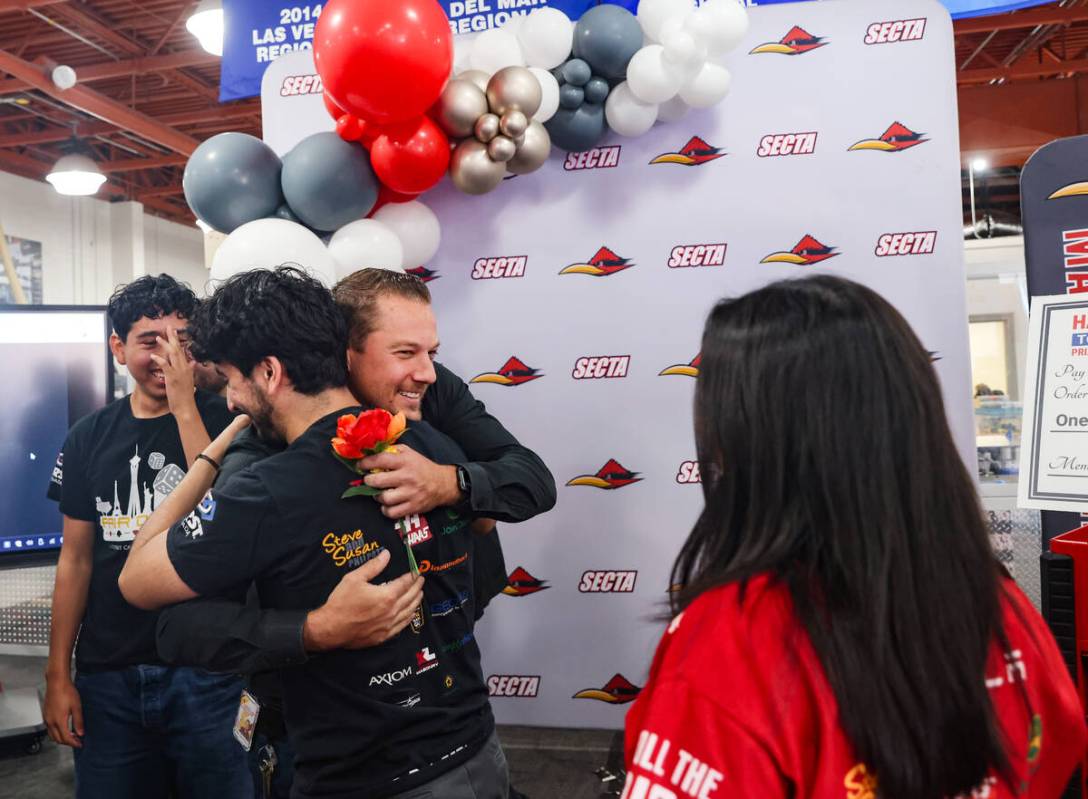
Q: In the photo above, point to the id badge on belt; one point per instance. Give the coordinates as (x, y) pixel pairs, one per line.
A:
(245, 725)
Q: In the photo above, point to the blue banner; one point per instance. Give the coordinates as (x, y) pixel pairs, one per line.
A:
(259, 31)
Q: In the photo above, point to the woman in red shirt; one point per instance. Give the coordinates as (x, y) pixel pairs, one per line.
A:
(843, 629)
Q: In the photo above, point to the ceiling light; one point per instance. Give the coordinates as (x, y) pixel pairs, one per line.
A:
(76, 175)
(979, 164)
(206, 24)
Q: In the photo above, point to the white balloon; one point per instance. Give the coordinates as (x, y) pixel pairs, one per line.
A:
(708, 88)
(549, 90)
(365, 244)
(653, 14)
(651, 80)
(513, 25)
(265, 243)
(546, 37)
(64, 77)
(683, 54)
(719, 24)
(672, 110)
(494, 49)
(626, 114)
(417, 228)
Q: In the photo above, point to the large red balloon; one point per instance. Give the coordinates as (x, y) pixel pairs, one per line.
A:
(383, 60)
(411, 158)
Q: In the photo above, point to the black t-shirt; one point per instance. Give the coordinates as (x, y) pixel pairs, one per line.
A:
(113, 470)
(376, 721)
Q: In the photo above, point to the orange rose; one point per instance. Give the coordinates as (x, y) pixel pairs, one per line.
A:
(359, 436)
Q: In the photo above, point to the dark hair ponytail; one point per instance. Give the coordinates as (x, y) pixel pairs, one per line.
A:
(827, 461)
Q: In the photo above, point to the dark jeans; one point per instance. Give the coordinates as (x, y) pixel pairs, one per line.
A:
(484, 776)
(152, 729)
(284, 772)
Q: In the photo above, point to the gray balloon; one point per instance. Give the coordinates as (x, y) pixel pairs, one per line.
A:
(477, 76)
(459, 106)
(579, 129)
(285, 212)
(328, 182)
(472, 170)
(597, 90)
(514, 89)
(231, 179)
(532, 151)
(576, 72)
(570, 97)
(501, 148)
(513, 124)
(487, 127)
(607, 37)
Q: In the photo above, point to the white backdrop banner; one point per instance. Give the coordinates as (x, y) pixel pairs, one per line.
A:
(575, 299)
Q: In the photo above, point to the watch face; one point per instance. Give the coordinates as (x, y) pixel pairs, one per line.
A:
(462, 479)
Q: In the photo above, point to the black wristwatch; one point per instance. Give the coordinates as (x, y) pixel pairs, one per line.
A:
(464, 483)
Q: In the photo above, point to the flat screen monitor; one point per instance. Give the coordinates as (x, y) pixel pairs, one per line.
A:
(56, 369)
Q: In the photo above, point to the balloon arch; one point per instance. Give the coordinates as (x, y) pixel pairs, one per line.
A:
(412, 105)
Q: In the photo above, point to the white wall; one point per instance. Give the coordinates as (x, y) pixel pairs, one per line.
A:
(997, 286)
(89, 246)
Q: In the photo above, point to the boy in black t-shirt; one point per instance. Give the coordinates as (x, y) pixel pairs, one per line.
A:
(138, 727)
(376, 722)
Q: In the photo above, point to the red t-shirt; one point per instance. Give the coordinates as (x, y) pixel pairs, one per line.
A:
(738, 705)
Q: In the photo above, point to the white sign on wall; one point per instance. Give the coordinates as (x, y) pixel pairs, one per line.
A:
(575, 298)
(1054, 440)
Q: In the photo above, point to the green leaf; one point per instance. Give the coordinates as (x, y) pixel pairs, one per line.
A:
(360, 491)
(350, 464)
(412, 560)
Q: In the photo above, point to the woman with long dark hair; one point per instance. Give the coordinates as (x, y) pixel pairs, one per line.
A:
(843, 628)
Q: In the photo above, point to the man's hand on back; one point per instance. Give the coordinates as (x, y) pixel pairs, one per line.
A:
(411, 483)
(359, 613)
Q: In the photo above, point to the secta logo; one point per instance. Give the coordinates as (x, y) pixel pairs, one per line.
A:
(390, 678)
(899, 30)
(603, 263)
(301, 84)
(512, 373)
(601, 367)
(494, 268)
(609, 477)
(424, 274)
(776, 145)
(521, 583)
(697, 255)
(895, 139)
(921, 243)
(695, 153)
(515, 685)
(607, 582)
(688, 473)
(797, 41)
(685, 369)
(595, 158)
(809, 250)
(617, 691)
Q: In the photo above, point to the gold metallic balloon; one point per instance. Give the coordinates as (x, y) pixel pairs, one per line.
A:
(472, 170)
(532, 152)
(513, 124)
(476, 76)
(514, 89)
(487, 128)
(501, 149)
(459, 106)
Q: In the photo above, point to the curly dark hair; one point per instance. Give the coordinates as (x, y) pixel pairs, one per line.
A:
(150, 296)
(281, 312)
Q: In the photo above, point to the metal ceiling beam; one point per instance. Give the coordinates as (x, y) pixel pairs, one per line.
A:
(1021, 19)
(135, 164)
(23, 5)
(970, 77)
(97, 105)
(88, 73)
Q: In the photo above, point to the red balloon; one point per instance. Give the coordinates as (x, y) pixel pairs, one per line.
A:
(387, 196)
(350, 128)
(334, 110)
(383, 60)
(411, 158)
